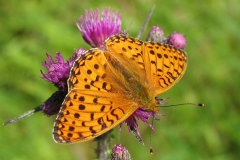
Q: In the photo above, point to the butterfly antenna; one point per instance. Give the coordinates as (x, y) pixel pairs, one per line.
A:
(145, 23)
(151, 150)
(181, 104)
(22, 116)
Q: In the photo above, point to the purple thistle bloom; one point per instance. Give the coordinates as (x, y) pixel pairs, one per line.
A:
(58, 72)
(156, 34)
(177, 40)
(96, 28)
(143, 115)
(119, 152)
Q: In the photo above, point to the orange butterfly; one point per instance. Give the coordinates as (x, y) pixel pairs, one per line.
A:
(106, 86)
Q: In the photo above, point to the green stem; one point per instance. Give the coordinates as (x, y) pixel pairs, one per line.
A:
(103, 146)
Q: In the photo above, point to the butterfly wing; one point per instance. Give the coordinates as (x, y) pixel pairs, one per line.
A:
(161, 65)
(94, 103)
(164, 65)
(128, 51)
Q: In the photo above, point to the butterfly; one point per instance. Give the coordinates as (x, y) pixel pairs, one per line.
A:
(107, 85)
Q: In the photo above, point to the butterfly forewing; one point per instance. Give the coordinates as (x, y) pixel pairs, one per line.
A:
(164, 65)
(127, 50)
(88, 71)
(93, 105)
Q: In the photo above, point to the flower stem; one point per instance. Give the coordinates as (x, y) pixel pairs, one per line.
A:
(103, 146)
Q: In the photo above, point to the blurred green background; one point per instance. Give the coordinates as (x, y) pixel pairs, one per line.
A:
(29, 29)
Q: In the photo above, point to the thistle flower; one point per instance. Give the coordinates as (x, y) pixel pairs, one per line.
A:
(177, 40)
(58, 72)
(96, 27)
(119, 152)
(156, 34)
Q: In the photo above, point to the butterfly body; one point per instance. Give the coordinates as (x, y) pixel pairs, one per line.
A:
(106, 86)
(133, 85)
